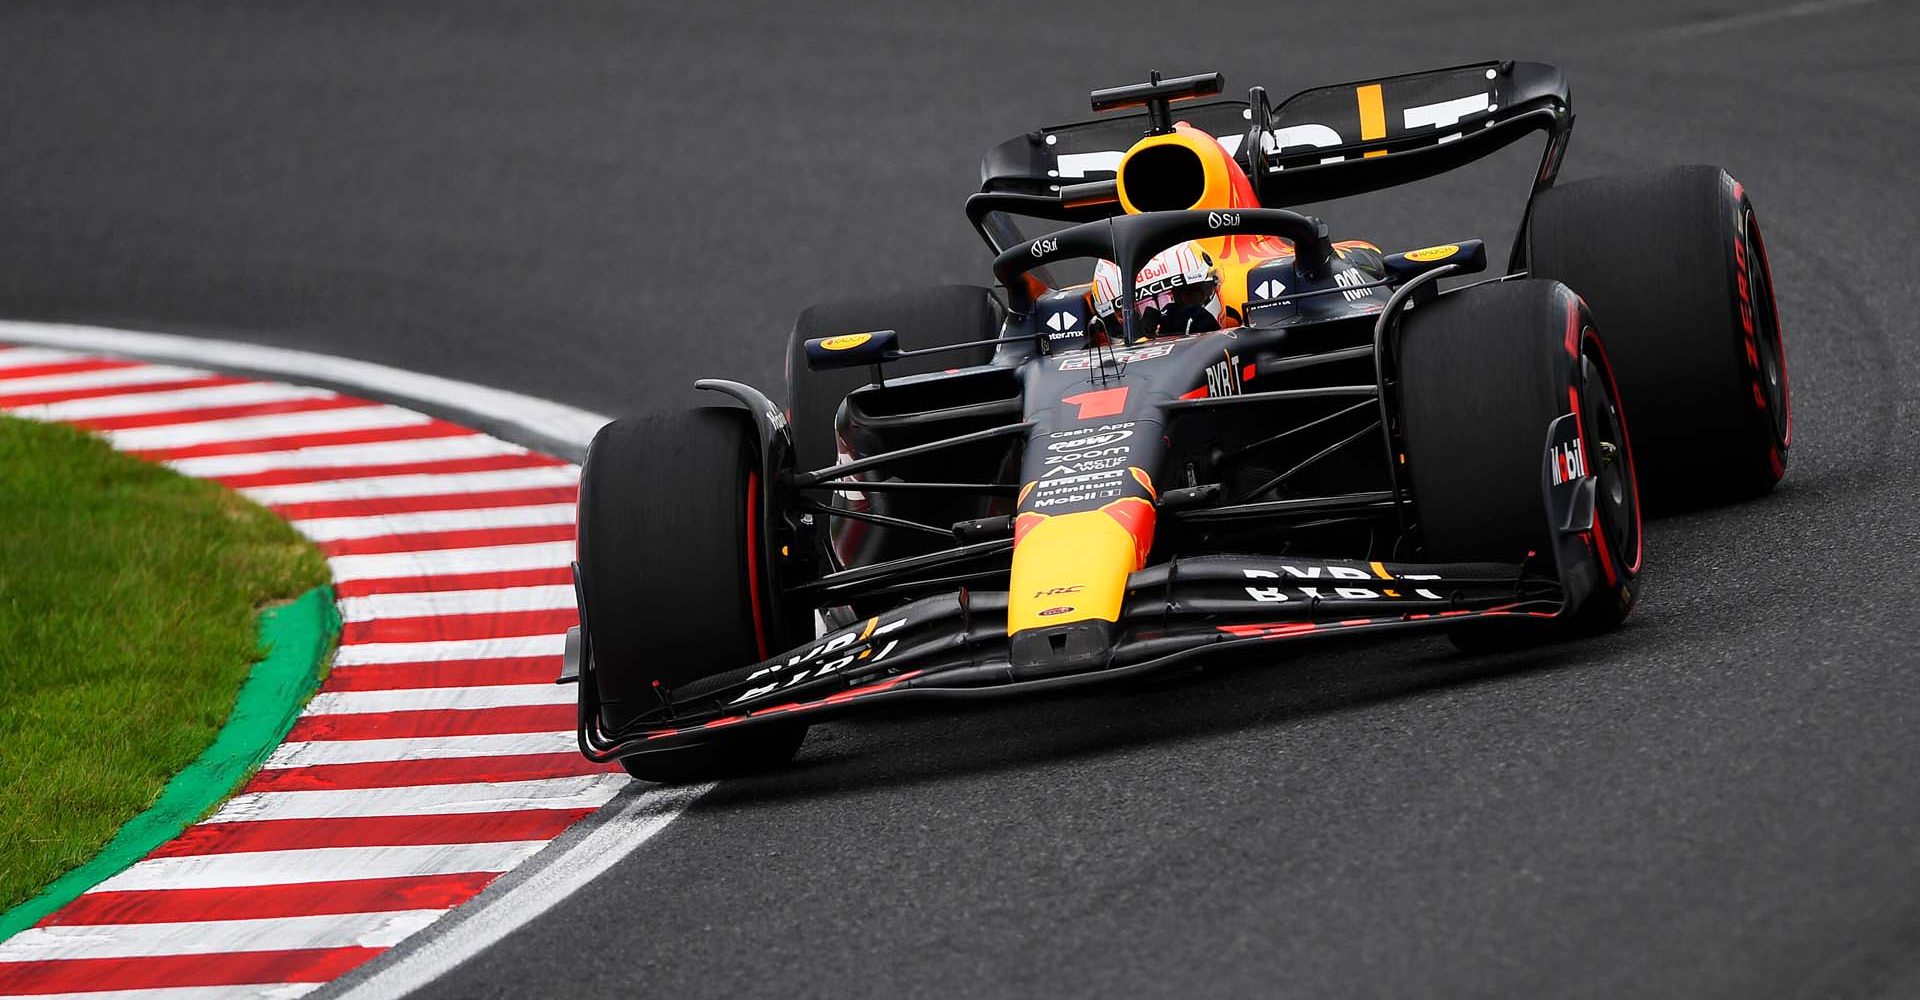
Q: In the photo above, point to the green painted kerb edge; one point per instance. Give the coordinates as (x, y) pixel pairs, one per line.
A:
(297, 637)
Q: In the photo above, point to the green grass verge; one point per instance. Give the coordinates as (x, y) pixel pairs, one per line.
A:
(128, 596)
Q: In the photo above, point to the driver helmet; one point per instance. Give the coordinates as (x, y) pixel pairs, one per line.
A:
(1177, 293)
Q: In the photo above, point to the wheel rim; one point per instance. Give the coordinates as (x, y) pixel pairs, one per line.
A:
(1766, 331)
(1617, 495)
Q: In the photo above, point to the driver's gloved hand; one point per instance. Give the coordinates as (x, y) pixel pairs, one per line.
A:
(1180, 320)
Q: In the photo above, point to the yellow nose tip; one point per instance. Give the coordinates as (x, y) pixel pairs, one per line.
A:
(1074, 567)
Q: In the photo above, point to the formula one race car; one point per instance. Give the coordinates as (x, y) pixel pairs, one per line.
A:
(1239, 433)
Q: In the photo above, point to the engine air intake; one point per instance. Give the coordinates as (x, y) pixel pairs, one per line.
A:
(1169, 177)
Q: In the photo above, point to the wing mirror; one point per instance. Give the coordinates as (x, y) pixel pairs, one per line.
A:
(852, 350)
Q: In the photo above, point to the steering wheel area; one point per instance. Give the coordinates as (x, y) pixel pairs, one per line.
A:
(1132, 240)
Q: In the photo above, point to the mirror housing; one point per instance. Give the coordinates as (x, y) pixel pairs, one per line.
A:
(1467, 256)
(852, 350)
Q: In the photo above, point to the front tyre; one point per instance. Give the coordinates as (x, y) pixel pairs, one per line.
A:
(1483, 372)
(673, 583)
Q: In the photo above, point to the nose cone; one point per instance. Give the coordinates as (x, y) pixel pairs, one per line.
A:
(1070, 567)
(1069, 582)
(1060, 649)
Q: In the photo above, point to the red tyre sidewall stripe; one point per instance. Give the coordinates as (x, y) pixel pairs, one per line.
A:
(1626, 443)
(1757, 245)
(1574, 327)
(753, 564)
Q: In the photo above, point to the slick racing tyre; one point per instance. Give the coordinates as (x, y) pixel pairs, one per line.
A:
(672, 583)
(935, 316)
(1674, 269)
(1483, 372)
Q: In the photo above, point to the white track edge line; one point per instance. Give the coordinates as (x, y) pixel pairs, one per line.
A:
(486, 404)
(611, 834)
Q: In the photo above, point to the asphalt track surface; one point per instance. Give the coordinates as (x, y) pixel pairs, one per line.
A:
(598, 202)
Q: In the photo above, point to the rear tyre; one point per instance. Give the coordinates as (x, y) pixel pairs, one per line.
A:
(1483, 372)
(672, 580)
(1674, 269)
(935, 316)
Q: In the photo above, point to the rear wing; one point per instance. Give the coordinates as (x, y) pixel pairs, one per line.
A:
(1319, 144)
(1331, 142)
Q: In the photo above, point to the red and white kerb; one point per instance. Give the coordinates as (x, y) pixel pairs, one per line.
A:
(439, 752)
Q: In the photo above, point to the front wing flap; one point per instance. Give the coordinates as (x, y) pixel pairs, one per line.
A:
(956, 645)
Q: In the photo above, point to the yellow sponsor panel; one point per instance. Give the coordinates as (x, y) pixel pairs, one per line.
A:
(1079, 562)
(1425, 254)
(846, 342)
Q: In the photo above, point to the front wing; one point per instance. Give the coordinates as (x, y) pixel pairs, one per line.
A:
(956, 645)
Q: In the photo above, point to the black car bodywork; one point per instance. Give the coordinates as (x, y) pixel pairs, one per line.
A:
(1266, 460)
